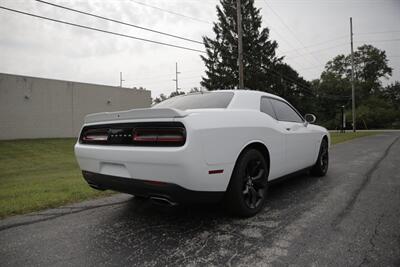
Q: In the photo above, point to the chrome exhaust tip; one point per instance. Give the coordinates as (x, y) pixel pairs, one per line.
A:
(163, 201)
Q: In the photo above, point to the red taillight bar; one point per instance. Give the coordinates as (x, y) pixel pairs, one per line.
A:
(173, 135)
(177, 138)
(139, 138)
(95, 138)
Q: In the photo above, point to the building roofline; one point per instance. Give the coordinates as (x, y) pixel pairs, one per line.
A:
(59, 80)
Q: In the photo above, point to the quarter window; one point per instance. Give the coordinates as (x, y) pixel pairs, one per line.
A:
(266, 107)
(284, 112)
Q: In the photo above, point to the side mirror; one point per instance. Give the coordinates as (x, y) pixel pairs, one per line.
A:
(310, 118)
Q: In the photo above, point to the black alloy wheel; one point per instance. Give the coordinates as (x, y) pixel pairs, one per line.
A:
(253, 185)
(247, 190)
(321, 166)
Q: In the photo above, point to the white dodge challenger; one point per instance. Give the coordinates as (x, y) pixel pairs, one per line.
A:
(202, 147)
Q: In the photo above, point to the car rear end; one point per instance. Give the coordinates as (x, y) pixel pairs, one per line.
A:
(155, 153)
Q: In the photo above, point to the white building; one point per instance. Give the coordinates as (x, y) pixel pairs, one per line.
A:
(33, 107)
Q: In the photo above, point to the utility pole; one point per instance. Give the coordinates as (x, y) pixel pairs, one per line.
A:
(120, 79)
(353, 97)
(343, 120)
(240, 44)
(176, 77)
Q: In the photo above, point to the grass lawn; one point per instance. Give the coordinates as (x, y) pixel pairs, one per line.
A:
(39, 174)
(342, 137)
(42, 173)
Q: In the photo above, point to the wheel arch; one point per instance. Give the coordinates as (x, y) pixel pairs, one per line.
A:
(260, 146)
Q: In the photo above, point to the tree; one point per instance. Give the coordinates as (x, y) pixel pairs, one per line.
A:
(370, 66)
(376, 112)
(139, 88)
(222, 52)
(392, 94)
(333, 89)
(195, 90)
(176, 93)
(159, 99)
(287, 83)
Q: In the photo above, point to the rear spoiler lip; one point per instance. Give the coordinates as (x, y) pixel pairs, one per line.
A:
(143, 113)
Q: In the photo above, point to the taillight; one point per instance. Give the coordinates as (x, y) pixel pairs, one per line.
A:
(95, 136)
(159, 136)
(135, 134)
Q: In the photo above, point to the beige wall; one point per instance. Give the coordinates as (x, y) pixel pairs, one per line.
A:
(41, 108)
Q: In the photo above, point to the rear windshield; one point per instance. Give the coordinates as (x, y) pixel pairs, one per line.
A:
(198, 100)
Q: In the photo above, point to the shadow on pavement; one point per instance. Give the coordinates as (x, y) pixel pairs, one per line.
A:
(281, 194)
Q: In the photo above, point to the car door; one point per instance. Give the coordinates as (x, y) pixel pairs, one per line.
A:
(300, 146)
(275, 139)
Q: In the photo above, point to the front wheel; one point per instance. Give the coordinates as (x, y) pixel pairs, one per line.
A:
(247, 189)
(321, 166)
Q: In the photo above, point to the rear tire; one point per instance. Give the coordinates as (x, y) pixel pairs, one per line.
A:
(321, 166)
(247, 190)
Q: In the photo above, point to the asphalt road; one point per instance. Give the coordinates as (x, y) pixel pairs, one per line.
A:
(351, 217)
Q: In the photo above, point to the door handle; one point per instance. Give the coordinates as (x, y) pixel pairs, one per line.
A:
(288, 129)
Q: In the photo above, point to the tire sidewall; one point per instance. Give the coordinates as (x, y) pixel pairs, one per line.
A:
(318, 169)
(235, 198)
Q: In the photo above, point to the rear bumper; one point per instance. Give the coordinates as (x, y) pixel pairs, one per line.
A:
(183, 166)
(170, 191)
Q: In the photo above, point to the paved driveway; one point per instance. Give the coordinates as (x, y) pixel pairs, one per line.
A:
(351, 217)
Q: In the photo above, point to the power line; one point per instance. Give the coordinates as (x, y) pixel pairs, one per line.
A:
(379, 41)
(103, 31)
(284, 39)
(334, 39)
(338, 38)
(318, 44)
(163, 81)
(343, 44)
(120, 22)
(381, 32)
(308, 89)
(291, 31)
(320, 50)
(292, 80)
(171, 12)
(287, 42)
(147, 78)
(313, 67)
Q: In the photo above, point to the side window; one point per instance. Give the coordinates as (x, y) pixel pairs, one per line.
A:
(284, 112)
(266, 107)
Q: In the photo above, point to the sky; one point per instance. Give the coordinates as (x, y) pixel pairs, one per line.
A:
(308, 32)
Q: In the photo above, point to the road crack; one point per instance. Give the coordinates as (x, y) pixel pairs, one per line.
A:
(350, 205)
(48, 218)
(372, 241)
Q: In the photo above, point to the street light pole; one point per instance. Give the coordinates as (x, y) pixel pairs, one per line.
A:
(342, 121)
(353, 97)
